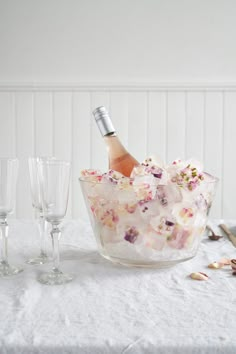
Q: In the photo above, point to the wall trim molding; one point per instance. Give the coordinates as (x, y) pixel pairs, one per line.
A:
(115, 86)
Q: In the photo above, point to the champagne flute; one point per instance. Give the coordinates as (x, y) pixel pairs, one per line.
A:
(54, 176)
(37, 205)
(8, 181)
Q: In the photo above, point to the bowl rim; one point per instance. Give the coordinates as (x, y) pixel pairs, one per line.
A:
(214, 179)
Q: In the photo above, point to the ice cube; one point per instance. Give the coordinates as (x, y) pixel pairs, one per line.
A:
(186, 174)
(105, 191)
(154, 241)
(109, 235)
(184, 213)
(153, 160)
(139, 170)
(151, 167)
(130, 233)
(208, 187)
(163, 224)
(168, 195)
(179, 237)
(145, 187)
(125, 183)
(149, 209)
(91, 175)
(112, 176)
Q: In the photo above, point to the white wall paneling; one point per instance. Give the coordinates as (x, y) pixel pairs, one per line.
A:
(176, 126)
(62, 129)
(137, 126)
(194, 125)
(213, 144)
(229, 155)
(24, 148)
(81, 147)
(119, 113)
(8, 124)
(167, 120)
(43, 116)
(157, 124)
(98, 150)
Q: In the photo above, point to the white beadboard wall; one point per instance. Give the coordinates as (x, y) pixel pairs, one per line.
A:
(168, 120)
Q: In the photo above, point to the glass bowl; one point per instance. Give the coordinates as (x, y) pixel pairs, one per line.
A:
(158, 231)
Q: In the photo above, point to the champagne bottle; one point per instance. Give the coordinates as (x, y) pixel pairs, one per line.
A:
(120, 159)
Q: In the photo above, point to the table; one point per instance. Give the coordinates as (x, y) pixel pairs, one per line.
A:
(113, 309)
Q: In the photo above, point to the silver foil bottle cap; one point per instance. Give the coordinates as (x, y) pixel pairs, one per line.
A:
(103, 121)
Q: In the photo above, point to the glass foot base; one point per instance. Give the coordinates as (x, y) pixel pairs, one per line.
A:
(55, 278)
(41, 259)
(8, 270)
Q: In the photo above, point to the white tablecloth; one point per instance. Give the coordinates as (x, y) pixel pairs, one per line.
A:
(114, 309)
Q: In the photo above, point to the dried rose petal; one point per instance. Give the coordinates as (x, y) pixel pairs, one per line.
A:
(199, 276)
(131, 234)
(216, 265)
(225, 261)
(233, 264)
(234, 273)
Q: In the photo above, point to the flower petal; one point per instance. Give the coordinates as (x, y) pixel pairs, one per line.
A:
(216, 265)
(225, 261)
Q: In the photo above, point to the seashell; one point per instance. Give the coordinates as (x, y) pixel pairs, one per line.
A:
(225, 261)
(233, 264)
(199, 276)
(216, 265)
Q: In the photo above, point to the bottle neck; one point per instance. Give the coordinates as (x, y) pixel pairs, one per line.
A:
(115, 148)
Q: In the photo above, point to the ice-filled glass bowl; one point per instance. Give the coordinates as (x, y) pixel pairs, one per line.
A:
(144, 224)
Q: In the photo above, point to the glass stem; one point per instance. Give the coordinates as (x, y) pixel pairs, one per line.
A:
(55, 234)
(42, 228)
(4, 238)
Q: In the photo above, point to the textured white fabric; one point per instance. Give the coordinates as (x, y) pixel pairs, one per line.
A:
(113, 309)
